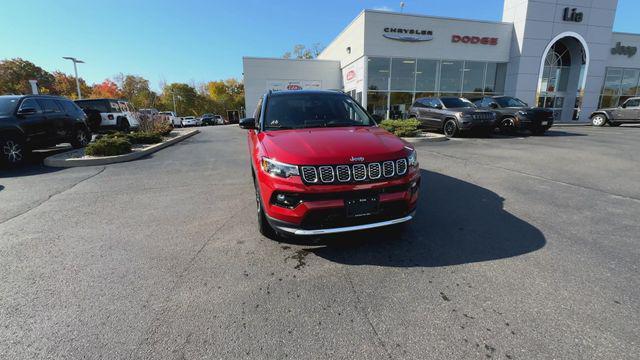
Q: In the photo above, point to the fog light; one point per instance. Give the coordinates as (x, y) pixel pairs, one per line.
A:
(286, 200)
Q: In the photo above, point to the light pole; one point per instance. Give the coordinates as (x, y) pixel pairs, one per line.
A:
(75, 68)
(173, 95)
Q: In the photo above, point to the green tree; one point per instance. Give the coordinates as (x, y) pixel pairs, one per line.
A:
(187, 99)
(16, 73)
(136, 90)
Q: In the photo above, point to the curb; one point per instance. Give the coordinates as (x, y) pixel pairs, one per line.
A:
(431, 137)
(62, 159)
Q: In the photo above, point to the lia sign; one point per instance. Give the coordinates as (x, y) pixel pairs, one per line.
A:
(572, 15)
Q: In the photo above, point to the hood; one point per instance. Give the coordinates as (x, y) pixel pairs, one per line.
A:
(609, 109)
(467, 110)
(329, 146)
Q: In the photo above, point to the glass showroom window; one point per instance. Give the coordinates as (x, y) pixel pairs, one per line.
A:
(400, 104)
(378, 73)
(377, 103)
(473, 76)
(426, 75)
(450, 76)
(403, 74)
(495, 78)
(611, 89)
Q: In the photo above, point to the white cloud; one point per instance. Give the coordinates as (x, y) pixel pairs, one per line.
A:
(383, 8)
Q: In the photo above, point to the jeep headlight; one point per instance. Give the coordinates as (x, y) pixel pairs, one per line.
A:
(279, 169)
(523, 113)
(412, 157)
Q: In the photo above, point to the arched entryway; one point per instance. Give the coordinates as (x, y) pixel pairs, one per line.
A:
(562, 76)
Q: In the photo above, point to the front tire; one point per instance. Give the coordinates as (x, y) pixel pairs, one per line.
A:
(263, 224)
(598, 120)
(81, 138)
(12, 150)
(507, 125)
(450, 128)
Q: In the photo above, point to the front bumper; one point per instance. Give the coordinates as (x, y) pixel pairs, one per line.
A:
(303, 232)
(476, 124)
(322, 208)
(533, 122)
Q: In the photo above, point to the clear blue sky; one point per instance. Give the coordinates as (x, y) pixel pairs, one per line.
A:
(187, 40)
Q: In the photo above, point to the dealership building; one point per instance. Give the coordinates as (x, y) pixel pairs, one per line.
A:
(559, 54)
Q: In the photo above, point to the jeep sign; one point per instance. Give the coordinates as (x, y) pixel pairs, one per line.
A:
(624, 50)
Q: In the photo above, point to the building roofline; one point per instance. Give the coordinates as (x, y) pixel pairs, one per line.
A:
(437, 17)
(277, 58)
(361, 13)
(625, 33)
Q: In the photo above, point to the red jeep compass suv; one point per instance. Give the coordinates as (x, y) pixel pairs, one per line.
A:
(321, 165)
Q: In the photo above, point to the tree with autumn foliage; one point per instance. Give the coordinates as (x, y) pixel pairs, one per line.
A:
(16, 73)
(106, 89)
(65, 85)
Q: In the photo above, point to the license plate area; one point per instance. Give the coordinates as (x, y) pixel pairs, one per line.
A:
(544, 123)
(362, 206)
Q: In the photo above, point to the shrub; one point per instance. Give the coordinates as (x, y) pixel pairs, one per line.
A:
(403, 128)
(144, 137)
(108, 146)
(155, 123)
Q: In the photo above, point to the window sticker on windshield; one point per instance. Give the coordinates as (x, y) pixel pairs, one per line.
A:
(274, 122)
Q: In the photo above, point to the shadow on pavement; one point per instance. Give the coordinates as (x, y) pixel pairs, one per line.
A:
(33, 164)
(457, 223)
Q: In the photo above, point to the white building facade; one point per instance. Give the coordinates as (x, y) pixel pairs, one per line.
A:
(559, 54)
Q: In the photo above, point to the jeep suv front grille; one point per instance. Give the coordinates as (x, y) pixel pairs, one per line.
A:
(309, 174)
(483, 116)
(335, 174)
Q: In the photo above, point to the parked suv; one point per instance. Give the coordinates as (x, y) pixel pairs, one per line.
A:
(627, 113)
(514, 114)
(452, 115)
(175, 120)
(36, 121)
(109, 114)
(321, 165)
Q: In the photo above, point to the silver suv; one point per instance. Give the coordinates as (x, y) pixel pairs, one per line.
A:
(452, 115)
(627, 113)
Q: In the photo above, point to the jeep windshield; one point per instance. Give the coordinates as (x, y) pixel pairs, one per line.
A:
(8, 105)
(316, 110)
(508, 101)
(451, 103)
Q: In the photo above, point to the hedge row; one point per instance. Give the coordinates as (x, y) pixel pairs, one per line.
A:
(403, 128)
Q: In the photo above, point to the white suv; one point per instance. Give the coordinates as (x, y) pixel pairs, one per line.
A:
(175, 120)
(109, 114)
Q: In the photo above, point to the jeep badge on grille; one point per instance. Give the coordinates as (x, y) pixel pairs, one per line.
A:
(357, 158)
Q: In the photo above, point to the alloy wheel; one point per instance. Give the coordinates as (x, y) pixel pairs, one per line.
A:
(82, 138)
(12, 151)
(449, 128)
(507, 124)
(598, 120)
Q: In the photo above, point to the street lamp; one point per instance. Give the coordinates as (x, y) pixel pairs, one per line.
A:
(75, 68)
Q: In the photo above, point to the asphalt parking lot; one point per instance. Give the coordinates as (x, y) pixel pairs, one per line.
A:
(523, 248)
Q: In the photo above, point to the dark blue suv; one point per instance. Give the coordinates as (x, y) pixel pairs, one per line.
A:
(36, 121)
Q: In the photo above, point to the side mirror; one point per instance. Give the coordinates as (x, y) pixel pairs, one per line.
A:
(624, 105)
(377, 118)
(27, 111)
(248, 123)
(493, 105)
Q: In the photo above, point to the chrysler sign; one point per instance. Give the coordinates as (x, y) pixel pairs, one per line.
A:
(409, 35)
